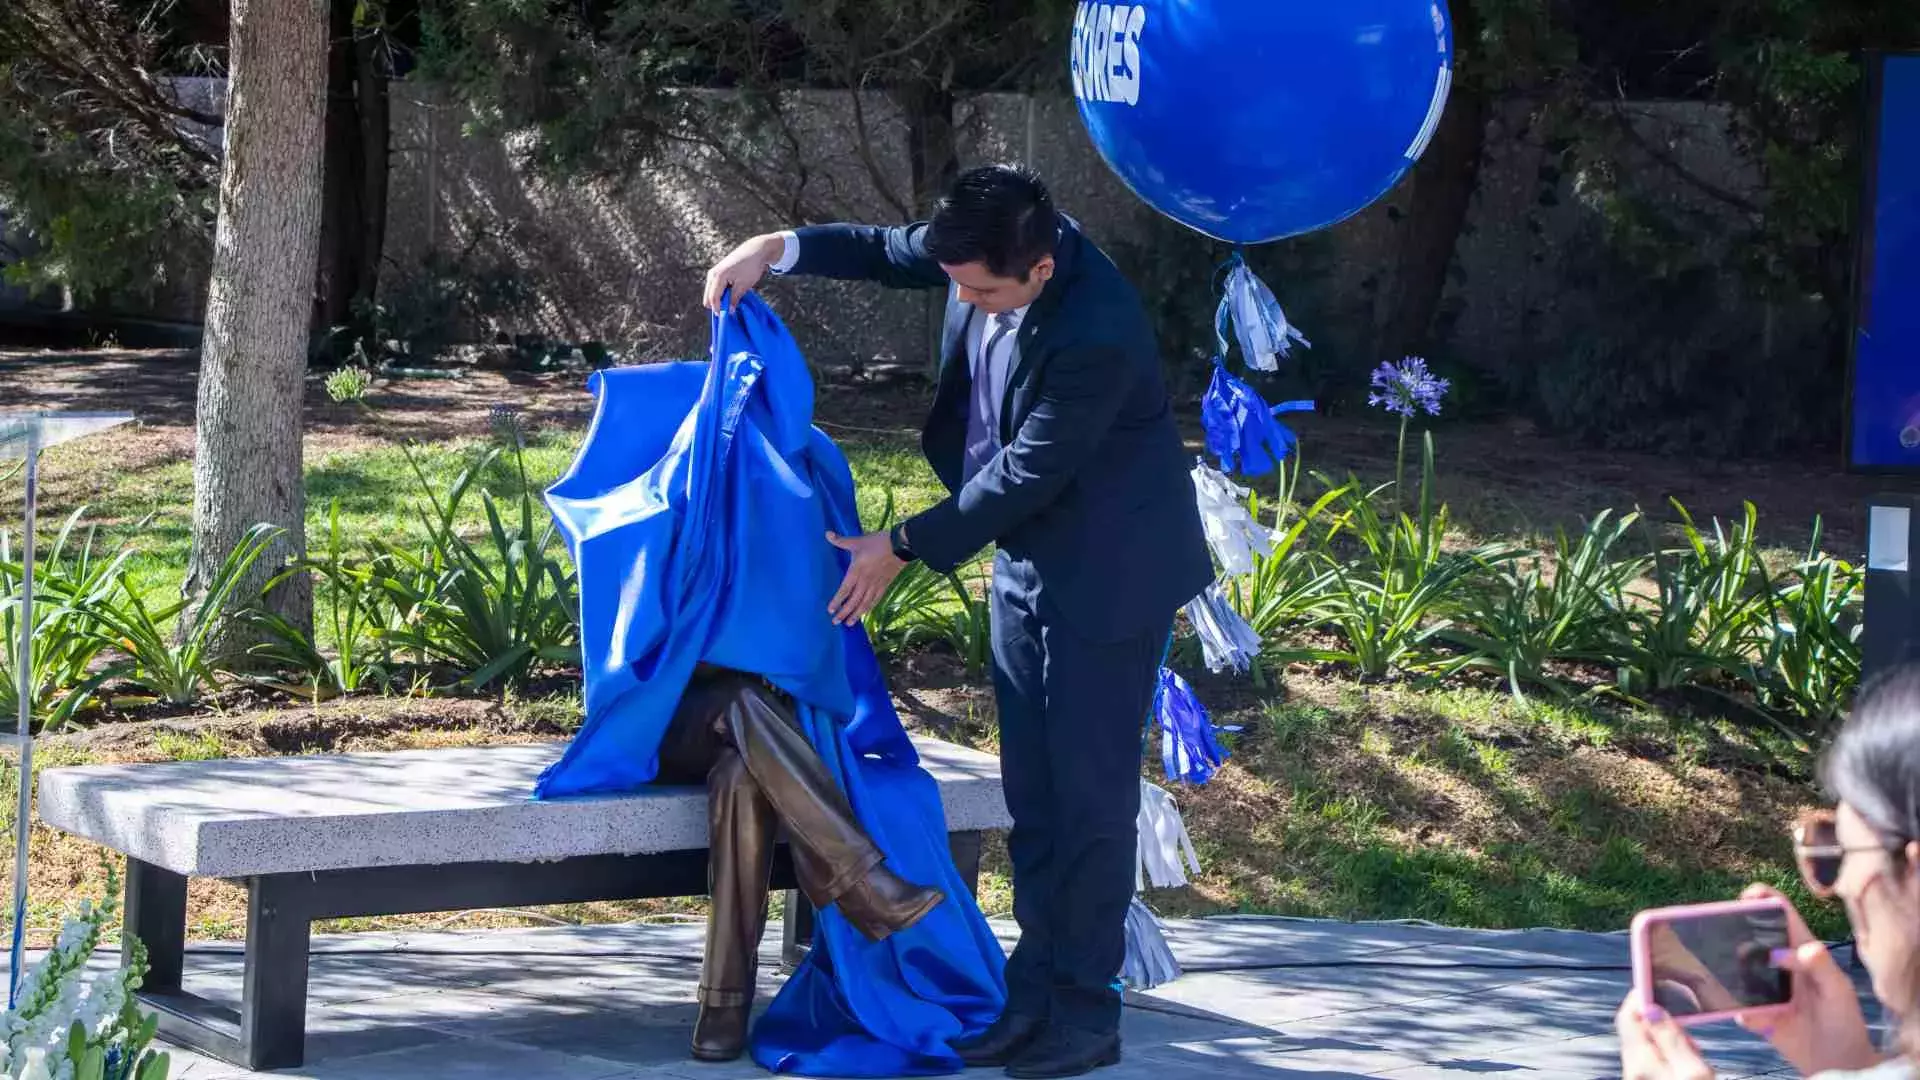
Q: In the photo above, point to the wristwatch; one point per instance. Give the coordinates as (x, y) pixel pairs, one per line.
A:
(897, 536)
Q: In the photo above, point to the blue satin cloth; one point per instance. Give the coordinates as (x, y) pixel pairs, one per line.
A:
(697, 514)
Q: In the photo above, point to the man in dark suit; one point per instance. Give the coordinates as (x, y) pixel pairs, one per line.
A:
(1052, 430)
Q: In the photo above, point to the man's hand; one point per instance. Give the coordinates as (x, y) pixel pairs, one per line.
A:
(742, 269)
(874, 568)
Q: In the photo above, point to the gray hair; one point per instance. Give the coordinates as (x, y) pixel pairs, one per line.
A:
(1874, 763)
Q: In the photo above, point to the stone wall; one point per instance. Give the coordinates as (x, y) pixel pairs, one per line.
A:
(621, 261)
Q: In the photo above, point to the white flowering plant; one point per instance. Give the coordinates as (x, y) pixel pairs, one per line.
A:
(72, 1024)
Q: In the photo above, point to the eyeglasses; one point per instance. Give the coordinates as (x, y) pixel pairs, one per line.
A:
(1818, 850)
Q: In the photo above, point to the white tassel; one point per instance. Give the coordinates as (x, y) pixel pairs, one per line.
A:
(1264, 333)
(1166, 851)
(1226, 640)
(1231, 531)
(1150, 961)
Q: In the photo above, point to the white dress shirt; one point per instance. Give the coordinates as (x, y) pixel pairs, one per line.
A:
(991, 372)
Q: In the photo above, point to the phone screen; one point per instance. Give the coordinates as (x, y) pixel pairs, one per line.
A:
(1717, 963)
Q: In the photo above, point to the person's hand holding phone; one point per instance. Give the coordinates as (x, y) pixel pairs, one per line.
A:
(1822, 1027)
(1653, 1047)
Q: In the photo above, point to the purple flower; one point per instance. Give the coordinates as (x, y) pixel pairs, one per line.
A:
(1407, 388)
(507, 426)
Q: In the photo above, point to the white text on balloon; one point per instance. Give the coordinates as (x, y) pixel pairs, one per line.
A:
(1106, 52)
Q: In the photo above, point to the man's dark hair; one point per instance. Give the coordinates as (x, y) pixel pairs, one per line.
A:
(999, 215)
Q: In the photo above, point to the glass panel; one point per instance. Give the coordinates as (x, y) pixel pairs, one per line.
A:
(54, 428)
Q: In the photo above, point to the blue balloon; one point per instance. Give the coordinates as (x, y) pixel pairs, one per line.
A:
(1256, 120)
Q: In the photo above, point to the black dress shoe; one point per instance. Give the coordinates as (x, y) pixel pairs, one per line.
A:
(1065, 1051)
(1000, 1043)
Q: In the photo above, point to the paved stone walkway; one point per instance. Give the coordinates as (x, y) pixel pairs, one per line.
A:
(1261, 998)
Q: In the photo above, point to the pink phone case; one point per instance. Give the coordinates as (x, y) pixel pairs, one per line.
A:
(1643, 925)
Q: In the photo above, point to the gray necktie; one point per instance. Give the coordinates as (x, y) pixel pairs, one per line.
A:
(989, 389)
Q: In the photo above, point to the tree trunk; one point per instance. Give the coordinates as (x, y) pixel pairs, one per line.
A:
(1443, 185)
(371, 90)
(340, 236)
(931, 147)
(354, 221)
(247, 466)
(933, 156)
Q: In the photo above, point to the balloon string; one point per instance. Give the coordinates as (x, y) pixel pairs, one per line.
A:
(1225, 267)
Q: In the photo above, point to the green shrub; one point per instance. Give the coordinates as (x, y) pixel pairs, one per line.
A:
(1708, 618)
(1288, 587)
(66, 641)
(359, 614)
(1389, 601)
(491, 611)
(1518, 619)
(1809, 662)
(909, 613)
(968, 628)
(174, 662)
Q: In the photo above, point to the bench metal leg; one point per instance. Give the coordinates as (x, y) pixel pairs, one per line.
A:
(269, 1030)
(796, 936)
(965, 847)
(273, 998)
(156, 916)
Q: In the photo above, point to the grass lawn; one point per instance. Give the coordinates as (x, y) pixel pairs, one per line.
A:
(1454, 803)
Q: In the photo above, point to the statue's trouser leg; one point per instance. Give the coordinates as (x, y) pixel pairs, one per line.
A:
(740, 863)
(741, 833)
(831, 851)
(836, 863)
(761, 773)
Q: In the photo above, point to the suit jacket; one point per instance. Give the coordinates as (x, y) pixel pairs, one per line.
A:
(1092, 486)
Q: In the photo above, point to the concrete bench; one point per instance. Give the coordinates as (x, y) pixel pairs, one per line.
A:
(394, 834)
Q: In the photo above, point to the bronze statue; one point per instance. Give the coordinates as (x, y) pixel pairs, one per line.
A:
(738, 735)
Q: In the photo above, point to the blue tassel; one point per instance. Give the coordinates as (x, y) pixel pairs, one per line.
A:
(1242, 429)
(1188, 750)
(1265, 335)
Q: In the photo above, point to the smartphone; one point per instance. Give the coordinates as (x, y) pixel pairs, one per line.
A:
(1707, 962)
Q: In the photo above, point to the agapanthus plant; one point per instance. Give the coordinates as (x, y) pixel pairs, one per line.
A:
(72, 1024)
(1406, 389)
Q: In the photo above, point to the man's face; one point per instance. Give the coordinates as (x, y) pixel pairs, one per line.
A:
(991, 294)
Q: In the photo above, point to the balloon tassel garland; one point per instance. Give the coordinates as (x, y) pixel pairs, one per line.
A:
(1182, 100)
(1243, 431)
(1166, 849)
(1150, 961)
(1235, 537)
